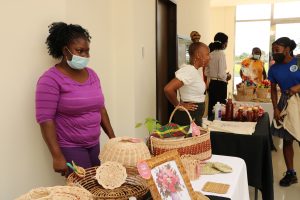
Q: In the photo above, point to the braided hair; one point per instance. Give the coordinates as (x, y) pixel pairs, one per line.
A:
(61, 34)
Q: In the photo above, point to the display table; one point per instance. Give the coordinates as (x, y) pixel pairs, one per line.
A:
(237, 179)
(255, 150)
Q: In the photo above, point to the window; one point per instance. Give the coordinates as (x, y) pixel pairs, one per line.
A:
(249, 35)
(292, 30)
(252, 12)
(286, 10)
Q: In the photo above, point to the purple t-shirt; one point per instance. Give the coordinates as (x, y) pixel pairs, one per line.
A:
(73, 106)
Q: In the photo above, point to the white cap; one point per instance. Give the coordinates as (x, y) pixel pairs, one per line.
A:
(132, 198)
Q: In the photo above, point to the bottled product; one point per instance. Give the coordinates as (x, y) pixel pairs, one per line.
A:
(255, 114)
(240, 116)
(218, 111)
(229, 109)
(249, 115)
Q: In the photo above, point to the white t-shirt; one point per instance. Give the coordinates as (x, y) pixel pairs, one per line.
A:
(193, 84)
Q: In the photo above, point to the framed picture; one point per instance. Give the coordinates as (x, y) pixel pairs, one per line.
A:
(169, 180)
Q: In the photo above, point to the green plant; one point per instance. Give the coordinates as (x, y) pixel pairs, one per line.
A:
(151, 124)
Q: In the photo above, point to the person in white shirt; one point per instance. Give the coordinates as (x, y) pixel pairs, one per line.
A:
(216, 72)
(189, 83)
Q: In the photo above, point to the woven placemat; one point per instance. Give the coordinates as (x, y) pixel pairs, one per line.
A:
(219, 188)
(211, 168)
(111, 175)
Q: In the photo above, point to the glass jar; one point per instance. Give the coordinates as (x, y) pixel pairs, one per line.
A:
(255, 114)
(249, 115)
(240, 116)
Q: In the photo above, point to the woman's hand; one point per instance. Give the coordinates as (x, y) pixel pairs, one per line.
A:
(189, 106)
(293, 90)
(277, 114)
(228, 76)
(60, 165)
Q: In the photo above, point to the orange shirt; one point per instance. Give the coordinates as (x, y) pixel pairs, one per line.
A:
(252, 70)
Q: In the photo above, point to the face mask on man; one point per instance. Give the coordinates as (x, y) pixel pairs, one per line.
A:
(278, 57)
(77, 62)
(256, 56)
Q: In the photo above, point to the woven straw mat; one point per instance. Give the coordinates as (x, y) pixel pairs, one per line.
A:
(111, 175)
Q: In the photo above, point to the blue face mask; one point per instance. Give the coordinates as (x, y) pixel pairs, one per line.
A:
(256, 57)
(77, 62)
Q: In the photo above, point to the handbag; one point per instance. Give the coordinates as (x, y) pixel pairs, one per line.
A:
(291, 117)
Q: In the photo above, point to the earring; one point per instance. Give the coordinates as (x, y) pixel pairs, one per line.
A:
(202, 63)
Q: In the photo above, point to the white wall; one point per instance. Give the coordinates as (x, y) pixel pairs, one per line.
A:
(194, 15)
(118, 29)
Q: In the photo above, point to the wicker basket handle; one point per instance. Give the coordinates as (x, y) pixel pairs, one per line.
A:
(183, 108)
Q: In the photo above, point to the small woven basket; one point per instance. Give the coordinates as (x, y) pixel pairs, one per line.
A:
(123, 151)
(196, 145)
(192, 166)
(134, 185)
(262, 93)
(245, 93)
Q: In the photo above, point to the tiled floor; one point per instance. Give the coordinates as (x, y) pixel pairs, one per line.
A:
(283, 193)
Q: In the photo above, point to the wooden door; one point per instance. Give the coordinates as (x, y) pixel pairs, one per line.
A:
(166, 55)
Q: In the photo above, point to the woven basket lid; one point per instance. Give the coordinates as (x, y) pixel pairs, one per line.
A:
(57, 193)
(111, 175)
(125, 150)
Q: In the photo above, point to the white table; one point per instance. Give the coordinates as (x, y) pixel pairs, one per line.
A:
(268, 107)
(237, 179)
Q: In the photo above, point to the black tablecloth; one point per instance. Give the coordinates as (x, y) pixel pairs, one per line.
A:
(255, 150)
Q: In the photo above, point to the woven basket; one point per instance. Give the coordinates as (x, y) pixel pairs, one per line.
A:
(42, 193)
(196, 145)
(57, 193)
(262, 93)
(245, 93)
(191, 166)
(127, 153)
(134, 185)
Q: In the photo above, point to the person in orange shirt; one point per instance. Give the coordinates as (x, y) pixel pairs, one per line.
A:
(253, 68)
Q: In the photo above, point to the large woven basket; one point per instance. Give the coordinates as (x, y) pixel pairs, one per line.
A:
(134, 185)
(196, 145)
(123, 151)
(262, 92)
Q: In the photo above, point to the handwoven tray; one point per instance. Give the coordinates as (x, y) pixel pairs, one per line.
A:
(134, 185)
(213, 187)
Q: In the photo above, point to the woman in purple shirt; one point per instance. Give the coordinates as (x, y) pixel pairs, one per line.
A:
(69, 101)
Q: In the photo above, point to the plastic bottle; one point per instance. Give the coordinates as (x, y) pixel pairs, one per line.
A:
(229, 109)
(218, 111)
